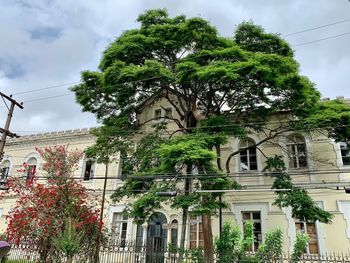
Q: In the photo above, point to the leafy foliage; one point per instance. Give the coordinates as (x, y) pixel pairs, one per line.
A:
(173, 155)
(233, 246)
(185, 61)
(303, 207)
(209, 81)
(334, 116)
(57, 217)
(271, 249)
(300, 245)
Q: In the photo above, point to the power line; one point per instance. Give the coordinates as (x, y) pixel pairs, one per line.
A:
(243, 176)
(315, 28)
(78, 82)
(117, 131)
(321, 39)
(308, 186)
(46, 88)
(295, 45)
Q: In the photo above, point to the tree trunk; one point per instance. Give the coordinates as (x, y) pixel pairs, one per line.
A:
(69, 259)
(218, 156)
(188, 182)
(183, 234)
(208, 239)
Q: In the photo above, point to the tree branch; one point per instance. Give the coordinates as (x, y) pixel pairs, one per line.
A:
(272, 136)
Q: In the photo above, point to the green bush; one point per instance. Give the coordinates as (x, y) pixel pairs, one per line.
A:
(233, 246)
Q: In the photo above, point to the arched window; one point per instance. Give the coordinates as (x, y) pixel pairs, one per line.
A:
(174, 232)
(5, 168)
(247, 156)
(296, 151)
(31, 167)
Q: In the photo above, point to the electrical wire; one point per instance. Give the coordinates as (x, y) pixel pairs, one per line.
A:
(309, 186)
(315, 28)
(118, 131)
(321, 39)
(295, 45)
(46, 88)
(242, 176)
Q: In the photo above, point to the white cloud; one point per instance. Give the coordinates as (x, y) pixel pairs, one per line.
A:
(85, 27)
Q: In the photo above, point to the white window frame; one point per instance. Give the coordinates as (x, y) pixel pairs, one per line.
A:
(247, 151)
(119, 220)
(197, 221)
(263, 207)
(305, 232)
(253, 249)
(294, 147)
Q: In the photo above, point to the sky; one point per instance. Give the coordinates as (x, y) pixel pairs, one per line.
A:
(45, 44)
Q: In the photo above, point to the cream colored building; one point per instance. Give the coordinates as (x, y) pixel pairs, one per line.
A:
(314, 162)
(22, 150)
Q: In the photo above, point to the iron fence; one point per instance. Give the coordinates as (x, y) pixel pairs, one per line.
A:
(132, 253)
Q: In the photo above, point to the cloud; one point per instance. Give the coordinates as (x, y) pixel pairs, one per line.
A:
(45, 33)
(49, 42)
(11, 69)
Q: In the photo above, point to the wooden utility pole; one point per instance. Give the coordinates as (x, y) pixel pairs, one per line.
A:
(5, 131)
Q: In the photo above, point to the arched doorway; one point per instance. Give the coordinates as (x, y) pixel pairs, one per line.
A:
(156, 238)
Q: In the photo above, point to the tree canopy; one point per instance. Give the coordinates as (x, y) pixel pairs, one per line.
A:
(218, 86)
(252, 73)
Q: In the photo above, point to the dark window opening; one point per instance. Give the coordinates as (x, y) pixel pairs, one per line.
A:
(174, 233)
(248, 160)
(168, 112)
(4, 175)
(345, 153)
(31, 169)
(157, 114)
(88, 173)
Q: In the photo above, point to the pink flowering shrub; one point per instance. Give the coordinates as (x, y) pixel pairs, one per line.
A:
(44, 207)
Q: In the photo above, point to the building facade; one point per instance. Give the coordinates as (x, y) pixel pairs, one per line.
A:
(314, 162)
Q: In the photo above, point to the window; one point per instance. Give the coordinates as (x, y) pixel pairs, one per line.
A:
(310, 229)
(4, 171)
(119, 228)
(296, 151)
(88, 170)
(248, 161)
(157, 113)
(256, 218)
(174, 232)
(196, 233)
(31, 168)
(345, 153)
(139, 237)
(168, 112)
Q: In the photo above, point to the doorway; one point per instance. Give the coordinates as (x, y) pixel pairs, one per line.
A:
(156, 238)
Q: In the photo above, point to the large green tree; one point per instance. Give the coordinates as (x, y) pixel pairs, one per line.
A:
(246, 79)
